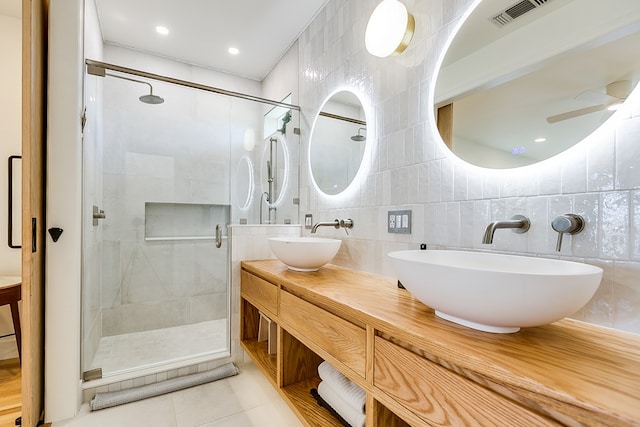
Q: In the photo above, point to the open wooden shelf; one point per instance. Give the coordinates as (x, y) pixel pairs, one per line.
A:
(299, 397)
(267, 363)
(293, 371)
(301, 362)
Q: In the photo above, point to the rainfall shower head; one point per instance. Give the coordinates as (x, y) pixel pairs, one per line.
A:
(151, 98)
(147, 99)
(359, 137)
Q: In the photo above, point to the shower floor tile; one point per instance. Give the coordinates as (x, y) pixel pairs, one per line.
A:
(144, 349)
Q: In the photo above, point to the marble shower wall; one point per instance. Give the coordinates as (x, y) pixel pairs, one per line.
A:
(158, 155)
(452, 201)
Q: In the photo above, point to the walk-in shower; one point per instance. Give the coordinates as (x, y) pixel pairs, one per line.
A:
(156, 280)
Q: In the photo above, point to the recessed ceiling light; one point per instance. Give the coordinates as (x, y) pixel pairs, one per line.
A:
(233, 50)
(540, 140)
(162, 30)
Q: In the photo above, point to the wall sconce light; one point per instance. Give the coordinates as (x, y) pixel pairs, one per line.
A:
(389, 30)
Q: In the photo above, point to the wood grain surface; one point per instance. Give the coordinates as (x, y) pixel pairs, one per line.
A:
(260, 293)
(298, 362)
(580, 373)
(298, 396)
(10, 395)
(325, 332)
(442, 397)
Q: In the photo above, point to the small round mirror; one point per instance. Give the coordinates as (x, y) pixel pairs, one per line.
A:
(338, 142)
(244, 183)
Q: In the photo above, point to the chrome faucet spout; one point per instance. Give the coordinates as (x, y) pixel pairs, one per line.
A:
(335, 224)
(518, 223)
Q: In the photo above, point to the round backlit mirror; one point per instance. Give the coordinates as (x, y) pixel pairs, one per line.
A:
(338, 142)
(525, 80)
(244, 183)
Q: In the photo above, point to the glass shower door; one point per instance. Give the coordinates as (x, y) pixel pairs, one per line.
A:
(155, 284)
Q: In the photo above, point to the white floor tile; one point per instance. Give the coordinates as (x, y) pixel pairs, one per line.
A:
(275, 414)
(246, 399)
(157, 412)
(222, 399)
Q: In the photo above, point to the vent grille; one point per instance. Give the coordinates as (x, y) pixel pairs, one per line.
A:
(515, 11)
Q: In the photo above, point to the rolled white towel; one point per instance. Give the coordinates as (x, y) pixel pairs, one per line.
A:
(352, 416)
(349, 391)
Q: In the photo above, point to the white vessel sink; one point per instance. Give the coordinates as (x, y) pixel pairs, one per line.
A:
(496, 292)
(304, 253)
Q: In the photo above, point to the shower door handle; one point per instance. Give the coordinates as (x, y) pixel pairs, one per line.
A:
(218, 236)
(98, 214)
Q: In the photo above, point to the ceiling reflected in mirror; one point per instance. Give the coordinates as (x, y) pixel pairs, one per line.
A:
(518, 85)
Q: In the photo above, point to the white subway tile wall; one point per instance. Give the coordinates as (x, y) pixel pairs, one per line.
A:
(452, 201)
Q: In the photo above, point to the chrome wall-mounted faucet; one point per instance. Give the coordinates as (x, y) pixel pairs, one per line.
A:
(336, 223)
(567, 224)
(518, 223)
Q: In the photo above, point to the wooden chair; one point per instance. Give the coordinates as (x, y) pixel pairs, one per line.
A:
(11, 293)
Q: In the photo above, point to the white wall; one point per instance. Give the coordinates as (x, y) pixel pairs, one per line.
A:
(64, 210)
(154, 64)
(282, 80)
(175, 152)
(10, 144)
(452, 201)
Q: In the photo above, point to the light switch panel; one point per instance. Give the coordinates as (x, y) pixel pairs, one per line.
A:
(399, 222)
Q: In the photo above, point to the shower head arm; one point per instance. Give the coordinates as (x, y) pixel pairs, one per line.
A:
(131, 80)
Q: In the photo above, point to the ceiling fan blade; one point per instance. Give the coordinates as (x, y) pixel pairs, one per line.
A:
(575, 113)
(596, 98)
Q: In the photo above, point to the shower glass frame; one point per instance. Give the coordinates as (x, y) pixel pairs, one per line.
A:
(238, 151)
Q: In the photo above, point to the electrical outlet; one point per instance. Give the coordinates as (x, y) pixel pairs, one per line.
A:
(308, 221)
(399, 222)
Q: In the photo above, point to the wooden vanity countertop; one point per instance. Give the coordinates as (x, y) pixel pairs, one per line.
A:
(573, 364)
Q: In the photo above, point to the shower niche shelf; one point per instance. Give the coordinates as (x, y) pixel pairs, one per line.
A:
(183, 221)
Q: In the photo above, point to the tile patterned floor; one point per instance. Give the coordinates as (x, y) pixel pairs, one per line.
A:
(245, 400)
(128, 351)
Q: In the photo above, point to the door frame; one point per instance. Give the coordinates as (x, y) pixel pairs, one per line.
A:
(34, 75)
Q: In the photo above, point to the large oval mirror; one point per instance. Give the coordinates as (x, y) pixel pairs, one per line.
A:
(338, 142)
(525, 80)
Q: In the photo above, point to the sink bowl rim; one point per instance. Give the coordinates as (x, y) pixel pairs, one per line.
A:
(493, 299)
(418, 256)
(302, 239)
(320, 249)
